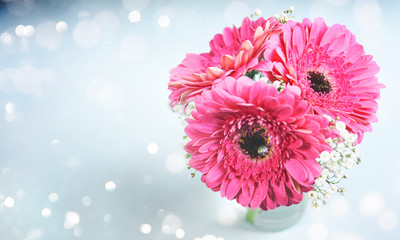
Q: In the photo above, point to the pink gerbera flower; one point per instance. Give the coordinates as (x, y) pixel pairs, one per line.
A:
(331, 69)
(254, 144)
(233, 53)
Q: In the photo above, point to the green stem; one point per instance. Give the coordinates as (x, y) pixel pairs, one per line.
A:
(251, 214)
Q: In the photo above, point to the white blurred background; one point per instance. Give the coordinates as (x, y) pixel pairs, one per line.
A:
(90, 150)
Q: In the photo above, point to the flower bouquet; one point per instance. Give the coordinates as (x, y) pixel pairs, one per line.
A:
(275, 110)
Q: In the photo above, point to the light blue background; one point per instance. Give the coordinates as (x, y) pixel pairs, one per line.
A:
(80, 116)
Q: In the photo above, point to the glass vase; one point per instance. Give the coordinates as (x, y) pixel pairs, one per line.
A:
(278, 219)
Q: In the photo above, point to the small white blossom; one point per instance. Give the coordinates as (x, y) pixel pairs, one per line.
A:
(286, 16)
(291, 8)
(349, 163)
(335, 155)
(347, 152)
(178, 108)
(339, 174)
(332, 166)
(325, 172)
(257, 12)
(314, 204)
(319, 182)
(277, 84)
(352, 138)
(340, 147)
(327, 195)
(344, 134)
(312, 195)
(333, 188)
(353, 156)
(329, 140)
(324, 156)
(340, 125)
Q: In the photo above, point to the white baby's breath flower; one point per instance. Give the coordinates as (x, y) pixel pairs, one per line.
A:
(335, 155)
(352, 138)
(257, 12)
(344, 134)
(291, 8)
(329, 192)
(340, 146)
(333, 188)
(314, 204)
(285, 17)
(347, 152)
(264, 79)
(324, 156)
(340, 125)
(339, 174)
(332, 166)
(312, 195)
(349, 163)
(276, 84)
(178, 108)
(327, 195)
(189, 108)
(319, 182)
(325, 172)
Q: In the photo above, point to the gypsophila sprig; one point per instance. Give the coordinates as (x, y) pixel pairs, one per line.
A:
(183, 110)
(257, 12)
(335, 164)
(285, 16)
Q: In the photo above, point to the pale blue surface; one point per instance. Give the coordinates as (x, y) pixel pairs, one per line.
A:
(104, 110)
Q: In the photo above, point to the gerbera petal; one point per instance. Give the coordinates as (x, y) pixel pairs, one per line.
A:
(246, 194)
(233, 188)
(298, 41)
(259, 194)
(318, 29)
(281, 112)
(296, 169)
(280, 194)
(227, 61)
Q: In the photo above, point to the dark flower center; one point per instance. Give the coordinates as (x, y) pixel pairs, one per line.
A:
(255, 143)
(319, 83)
